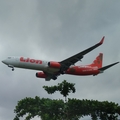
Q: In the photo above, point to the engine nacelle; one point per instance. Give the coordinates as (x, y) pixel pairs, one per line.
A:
(41, 75)
(53, 64)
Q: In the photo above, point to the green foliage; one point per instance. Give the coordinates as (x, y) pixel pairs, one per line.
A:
(72, 109)
(46, 108)
(104, 110)
(64, 88)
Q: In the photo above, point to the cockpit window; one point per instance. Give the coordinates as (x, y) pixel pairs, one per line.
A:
(9, 57)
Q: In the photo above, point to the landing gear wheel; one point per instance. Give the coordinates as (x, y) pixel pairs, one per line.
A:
(54, 78)
(11, 67)
(62, 72)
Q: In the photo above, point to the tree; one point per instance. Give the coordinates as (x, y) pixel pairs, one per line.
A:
(64, 88)
(46, 108)
(71, 109)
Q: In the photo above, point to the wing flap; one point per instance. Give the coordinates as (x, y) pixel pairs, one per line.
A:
(51, 76)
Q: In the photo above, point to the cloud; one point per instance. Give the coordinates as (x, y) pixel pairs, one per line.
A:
(55, 30)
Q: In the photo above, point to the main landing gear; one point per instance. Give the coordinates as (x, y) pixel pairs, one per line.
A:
(11, 67)
(54, 78)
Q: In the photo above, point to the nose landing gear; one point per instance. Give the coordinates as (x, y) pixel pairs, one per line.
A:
(11, 67)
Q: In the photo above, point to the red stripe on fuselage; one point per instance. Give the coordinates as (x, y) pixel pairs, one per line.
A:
(86, 70)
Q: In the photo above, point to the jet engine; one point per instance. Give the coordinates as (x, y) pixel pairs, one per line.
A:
(40, 75)
(54, 64)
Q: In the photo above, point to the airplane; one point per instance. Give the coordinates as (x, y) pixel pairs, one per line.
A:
(52, 69)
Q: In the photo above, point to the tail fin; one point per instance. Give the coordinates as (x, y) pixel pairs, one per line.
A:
(98, 61)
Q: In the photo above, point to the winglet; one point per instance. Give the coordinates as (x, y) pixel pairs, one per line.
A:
(102, 40)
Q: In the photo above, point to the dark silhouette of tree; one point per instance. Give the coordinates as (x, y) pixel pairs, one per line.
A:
(46, 108)
(64, 88)
(71, 109)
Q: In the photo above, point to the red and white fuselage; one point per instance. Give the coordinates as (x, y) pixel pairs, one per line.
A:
(49, 66)
(51, 69)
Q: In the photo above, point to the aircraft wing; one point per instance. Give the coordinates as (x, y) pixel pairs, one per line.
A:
(51, 76)
(75, 58)
(65, 64)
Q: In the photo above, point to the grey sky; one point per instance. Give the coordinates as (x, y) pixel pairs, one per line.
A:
(55, 30)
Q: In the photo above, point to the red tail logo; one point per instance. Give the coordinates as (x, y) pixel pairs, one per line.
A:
(98, 61)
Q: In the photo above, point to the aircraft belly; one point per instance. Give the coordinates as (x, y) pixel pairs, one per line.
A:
(82, 71)
(51, 70)
(35, 66)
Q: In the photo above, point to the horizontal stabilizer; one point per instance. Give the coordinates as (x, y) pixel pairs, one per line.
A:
(108, 66)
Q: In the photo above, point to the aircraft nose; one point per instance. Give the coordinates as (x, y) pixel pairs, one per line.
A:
(4, 61)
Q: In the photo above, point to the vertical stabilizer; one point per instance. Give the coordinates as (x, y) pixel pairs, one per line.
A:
(98, 61)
